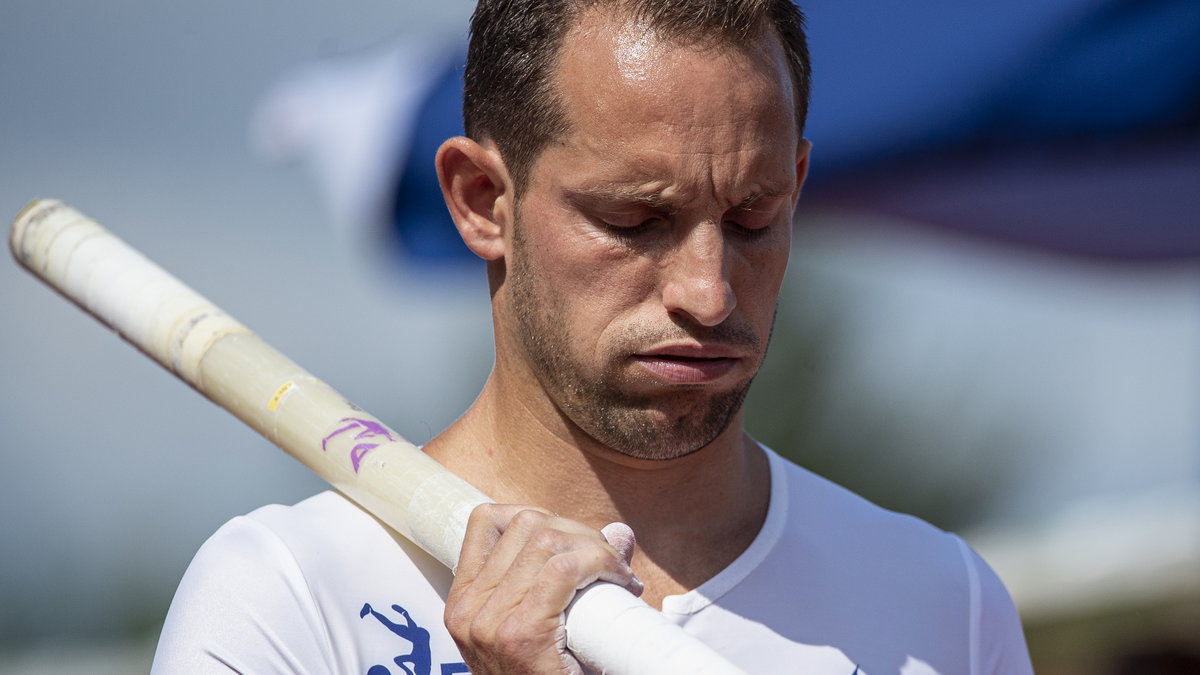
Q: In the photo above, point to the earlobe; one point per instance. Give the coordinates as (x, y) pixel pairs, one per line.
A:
(476, 188)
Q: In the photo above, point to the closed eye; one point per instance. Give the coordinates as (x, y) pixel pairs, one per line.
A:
(748, 233)
(754, 218)
(629, 232)
(629, 220)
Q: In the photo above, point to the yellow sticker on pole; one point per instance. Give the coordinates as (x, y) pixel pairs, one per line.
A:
(280, 394)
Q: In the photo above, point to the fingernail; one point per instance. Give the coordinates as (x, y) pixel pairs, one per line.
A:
(635, 585)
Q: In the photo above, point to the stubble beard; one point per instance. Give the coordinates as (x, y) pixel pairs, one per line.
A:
(655, 427)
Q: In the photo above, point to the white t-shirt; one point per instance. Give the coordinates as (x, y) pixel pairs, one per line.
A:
(832, 584)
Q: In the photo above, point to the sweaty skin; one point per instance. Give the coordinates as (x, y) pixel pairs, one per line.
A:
(634, 286)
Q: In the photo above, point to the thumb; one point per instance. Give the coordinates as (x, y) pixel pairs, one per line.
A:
(620, 536)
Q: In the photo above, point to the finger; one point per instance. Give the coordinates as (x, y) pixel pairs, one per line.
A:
(511, 550)
(566, 573)
(552, 566)
(496, 536)
(526, 608)
(484, 529)
(621, 537)
(521, 528)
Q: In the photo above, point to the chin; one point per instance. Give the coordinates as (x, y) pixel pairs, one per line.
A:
(661, 434)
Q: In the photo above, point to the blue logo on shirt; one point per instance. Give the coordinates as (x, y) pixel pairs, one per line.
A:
(419, 657)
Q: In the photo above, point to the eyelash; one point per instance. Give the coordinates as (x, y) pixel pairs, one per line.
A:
(749, 234)
(628, 233)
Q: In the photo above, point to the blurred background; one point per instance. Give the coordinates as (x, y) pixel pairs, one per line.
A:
(992, 318)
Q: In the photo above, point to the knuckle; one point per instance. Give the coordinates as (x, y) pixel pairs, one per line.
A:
(548, 540)
(457, 618)
(564, 565)
(484, 513)
(513, 638)
(583, 564)
(482, 628)
(479, 635)
(528, 519)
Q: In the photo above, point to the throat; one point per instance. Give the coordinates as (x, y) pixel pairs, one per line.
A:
(681, 562)
(659, 584)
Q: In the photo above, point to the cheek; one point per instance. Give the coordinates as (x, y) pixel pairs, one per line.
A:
(607, 290)
(586, 266)
(759, 277)
(593, 286)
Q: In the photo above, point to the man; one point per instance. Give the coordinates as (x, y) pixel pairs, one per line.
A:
(630, 179)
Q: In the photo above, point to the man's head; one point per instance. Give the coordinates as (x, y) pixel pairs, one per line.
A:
(635, 278)
(510, 97)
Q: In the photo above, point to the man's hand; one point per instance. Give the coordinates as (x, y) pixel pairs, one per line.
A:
(518, 570)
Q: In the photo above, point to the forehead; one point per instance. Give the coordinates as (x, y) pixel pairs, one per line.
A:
(688, 120)
(615, 75)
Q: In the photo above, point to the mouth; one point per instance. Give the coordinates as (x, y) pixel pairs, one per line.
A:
(688, 364)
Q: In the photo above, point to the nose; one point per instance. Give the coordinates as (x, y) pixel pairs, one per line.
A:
(696, 277)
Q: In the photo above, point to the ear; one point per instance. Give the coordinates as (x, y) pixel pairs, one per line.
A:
(478, 192)
(802, 153)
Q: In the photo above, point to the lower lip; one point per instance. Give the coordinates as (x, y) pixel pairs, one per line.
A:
(681, 371)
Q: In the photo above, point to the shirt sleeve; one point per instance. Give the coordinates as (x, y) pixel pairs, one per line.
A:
(997, 639)
(243, 606)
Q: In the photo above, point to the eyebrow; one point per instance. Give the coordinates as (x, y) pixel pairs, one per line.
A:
(618, 194)
(655, 199)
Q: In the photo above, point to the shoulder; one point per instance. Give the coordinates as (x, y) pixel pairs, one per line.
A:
(227, 607)
(871, 568)
(327, 543)
(280, 531)
(837, 516)
(861, 552)
(327, 521)
(826, 521)
(283, 589)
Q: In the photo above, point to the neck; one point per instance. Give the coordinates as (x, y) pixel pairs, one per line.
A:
(692, 515)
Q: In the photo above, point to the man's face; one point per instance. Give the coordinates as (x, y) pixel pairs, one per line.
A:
(650, 243)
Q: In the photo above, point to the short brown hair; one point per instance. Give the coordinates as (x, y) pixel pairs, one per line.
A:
(508, 94)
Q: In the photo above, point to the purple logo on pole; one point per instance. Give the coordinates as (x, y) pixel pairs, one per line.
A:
(369, 430)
